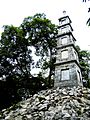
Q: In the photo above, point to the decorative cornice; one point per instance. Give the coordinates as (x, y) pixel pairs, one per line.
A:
(66, 33)
(65, 25)
(65, 17)
(69, 61)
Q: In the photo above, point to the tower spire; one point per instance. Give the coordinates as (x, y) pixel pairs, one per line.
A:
(64, 12)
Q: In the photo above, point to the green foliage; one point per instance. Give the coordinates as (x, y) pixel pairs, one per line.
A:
(88, 22)
(15, 63)
(15, 55)
(41, 33)
(16, 59)
(84, 57)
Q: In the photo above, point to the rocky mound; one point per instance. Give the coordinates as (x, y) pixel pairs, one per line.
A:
(53, 104)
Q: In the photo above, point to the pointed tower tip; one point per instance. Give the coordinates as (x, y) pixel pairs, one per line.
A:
(64, 13)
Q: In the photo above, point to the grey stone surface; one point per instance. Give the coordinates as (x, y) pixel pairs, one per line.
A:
(73, 81)
(53, 104)
(67, 58)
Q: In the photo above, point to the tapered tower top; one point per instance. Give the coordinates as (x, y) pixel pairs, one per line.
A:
(65, 19)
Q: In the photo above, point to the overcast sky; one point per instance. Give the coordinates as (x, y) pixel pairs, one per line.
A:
(14, 11)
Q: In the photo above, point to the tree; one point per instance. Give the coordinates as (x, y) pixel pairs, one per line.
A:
(41, 34)
(15, 52)
(84, 57)
(88, 21)
(15, 61)
(85, 0)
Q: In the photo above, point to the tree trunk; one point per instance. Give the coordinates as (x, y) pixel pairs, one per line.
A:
(50, 71)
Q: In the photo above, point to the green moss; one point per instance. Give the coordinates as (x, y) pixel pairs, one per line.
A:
(85, 95)
(15, 106)
(41, 98)
(79, 111)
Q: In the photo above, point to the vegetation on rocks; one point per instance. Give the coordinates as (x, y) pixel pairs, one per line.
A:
(52, 104)
(16, 60)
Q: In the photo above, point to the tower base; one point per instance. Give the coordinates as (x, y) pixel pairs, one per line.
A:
(67, 75)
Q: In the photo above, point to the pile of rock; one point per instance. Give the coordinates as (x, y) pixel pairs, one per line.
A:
(53, 104)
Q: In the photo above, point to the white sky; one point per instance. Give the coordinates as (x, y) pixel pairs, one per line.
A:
(14, 11)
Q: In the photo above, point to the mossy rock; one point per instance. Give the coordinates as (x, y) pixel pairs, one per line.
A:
(41, 98)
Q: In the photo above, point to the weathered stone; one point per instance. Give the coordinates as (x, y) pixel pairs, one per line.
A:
(88, 91)
(9, 117)
(88, 96)
(49, 115)
(52, 105)
(68, 106)
(22, 111)
(42, 107)
(85, 92)
(66, 115)
(18, 118)
(47, 97)
(51, 108)
(65, 97)
(71, 93)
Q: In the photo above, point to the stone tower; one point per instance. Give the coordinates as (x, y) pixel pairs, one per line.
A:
(67, 68)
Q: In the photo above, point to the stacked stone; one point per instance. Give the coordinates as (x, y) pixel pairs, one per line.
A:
(53, 104)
